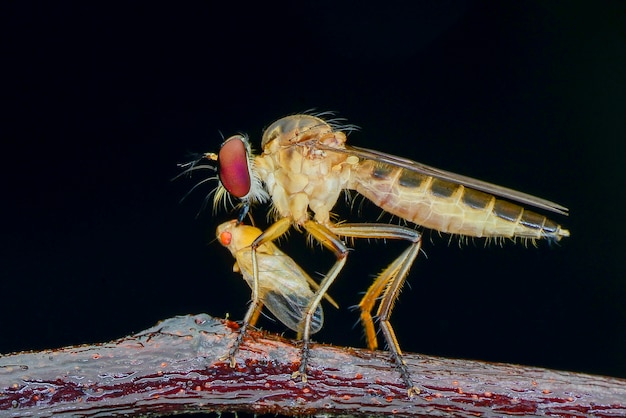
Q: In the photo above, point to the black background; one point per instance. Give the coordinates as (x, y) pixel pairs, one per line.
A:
(102, 102)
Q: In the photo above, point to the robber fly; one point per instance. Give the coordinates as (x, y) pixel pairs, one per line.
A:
(303, 168)
(283, 287)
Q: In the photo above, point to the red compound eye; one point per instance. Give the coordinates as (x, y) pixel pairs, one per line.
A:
(233, 169)
(225, 238)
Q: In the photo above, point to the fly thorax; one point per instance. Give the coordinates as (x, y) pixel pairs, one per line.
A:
(299, 171)
(300, 177)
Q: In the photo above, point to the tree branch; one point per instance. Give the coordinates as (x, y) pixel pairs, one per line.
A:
(175, 367)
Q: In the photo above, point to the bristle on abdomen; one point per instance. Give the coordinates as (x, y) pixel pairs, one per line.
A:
(449, 207)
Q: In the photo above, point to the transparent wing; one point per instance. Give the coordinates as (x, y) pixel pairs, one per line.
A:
(283, 287)
(291, 308)
(510, 194)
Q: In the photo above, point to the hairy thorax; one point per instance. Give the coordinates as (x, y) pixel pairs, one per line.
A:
(298, 175)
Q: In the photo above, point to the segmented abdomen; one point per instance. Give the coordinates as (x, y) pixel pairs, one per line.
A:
(448, 207)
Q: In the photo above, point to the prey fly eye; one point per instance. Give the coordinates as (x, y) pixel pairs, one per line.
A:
(225, 238)
(233, 171)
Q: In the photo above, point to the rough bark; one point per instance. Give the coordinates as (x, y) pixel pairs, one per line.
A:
(176, 367)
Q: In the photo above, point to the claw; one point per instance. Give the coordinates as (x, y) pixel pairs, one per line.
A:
(413, 391)
(230, 358)
(225, 357)
(298, 374)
